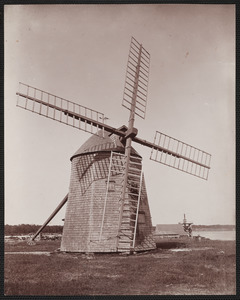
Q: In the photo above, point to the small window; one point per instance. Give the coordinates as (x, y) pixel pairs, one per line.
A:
(111, 185)
(141, 217)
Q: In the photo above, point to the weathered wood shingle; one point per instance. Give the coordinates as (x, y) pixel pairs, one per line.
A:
(92, 220)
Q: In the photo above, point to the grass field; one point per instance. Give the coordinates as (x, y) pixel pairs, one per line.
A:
(208, 267)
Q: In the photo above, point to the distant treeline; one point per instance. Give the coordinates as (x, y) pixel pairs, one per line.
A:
(27, 228)
(213, 227)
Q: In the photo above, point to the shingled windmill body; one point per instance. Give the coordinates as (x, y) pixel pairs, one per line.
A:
(107, 208)
(92, 221)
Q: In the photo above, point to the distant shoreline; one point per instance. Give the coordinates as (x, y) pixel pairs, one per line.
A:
(57, 229)
(213, 227)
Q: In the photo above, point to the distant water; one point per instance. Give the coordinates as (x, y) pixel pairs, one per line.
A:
(223, 235)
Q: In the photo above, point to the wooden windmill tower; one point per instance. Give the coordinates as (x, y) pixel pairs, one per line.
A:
(107, 208)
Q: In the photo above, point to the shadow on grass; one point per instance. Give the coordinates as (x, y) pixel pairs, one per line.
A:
(170, 245)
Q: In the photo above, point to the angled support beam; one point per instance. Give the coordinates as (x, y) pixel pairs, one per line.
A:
(51, 217)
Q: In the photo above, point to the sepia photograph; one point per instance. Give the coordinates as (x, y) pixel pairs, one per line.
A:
(119, 149)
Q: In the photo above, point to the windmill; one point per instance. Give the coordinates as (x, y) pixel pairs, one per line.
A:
(107, 208)
(187, 226)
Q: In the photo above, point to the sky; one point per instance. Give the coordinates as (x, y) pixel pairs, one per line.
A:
(80, 52)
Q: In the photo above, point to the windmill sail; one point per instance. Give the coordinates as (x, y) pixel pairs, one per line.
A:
(136, 83)
(59, 109)
(176, 154)
(63, 111)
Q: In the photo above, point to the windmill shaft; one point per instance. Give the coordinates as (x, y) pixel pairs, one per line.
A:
(130, 137)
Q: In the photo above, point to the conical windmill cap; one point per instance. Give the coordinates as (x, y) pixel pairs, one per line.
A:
(103, 142)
